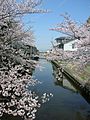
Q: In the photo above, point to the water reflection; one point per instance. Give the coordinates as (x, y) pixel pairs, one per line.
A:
(61, 80)
(66, 83)
(66, 104)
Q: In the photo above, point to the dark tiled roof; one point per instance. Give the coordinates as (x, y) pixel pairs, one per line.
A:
(64, 39)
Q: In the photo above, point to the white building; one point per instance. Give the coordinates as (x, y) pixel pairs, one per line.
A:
(70, 46)
(66, 43)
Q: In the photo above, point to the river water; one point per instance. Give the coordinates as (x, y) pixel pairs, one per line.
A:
(66, 103)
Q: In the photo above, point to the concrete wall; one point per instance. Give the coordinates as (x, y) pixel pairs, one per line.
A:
(70, 46)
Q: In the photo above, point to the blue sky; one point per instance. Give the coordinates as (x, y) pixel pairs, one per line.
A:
(78, 9)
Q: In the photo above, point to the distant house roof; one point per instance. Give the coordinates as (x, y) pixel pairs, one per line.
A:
(64, 40)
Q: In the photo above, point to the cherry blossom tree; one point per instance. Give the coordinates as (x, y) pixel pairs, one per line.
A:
(79, 32)
(15, 70)
(12, 8)
(11, 12)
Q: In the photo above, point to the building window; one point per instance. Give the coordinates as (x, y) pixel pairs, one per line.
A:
(73, 45)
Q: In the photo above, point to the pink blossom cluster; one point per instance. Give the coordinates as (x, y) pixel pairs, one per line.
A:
(15, 98)
(15, 68)
(81, 33)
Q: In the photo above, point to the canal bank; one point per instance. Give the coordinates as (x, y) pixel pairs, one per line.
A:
(82, 87)
(66, 104)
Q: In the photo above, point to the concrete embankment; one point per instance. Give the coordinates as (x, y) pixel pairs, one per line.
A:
(82, 87)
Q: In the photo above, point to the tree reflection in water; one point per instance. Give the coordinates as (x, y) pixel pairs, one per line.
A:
(66, 83)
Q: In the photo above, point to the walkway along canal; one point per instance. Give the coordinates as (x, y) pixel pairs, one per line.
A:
(66, 103)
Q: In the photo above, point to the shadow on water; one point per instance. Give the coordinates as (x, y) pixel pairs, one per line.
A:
(60, 78)
(10, 117)
(67, 102)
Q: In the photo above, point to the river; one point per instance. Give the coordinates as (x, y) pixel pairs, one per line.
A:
(66, 103)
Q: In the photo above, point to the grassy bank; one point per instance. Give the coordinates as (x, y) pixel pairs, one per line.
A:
(83, 75)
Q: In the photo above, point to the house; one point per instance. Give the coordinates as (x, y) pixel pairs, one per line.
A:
(66, 43)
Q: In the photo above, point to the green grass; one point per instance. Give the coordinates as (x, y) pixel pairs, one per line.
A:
(83, 74)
